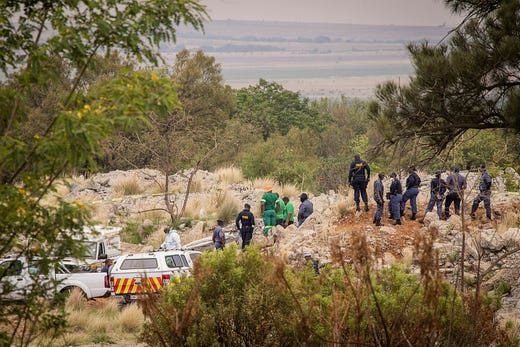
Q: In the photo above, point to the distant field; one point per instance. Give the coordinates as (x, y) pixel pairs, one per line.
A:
(317, 60)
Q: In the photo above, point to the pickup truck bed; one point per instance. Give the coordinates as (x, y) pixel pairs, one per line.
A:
(20, 275)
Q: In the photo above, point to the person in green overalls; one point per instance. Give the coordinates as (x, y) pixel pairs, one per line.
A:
(288, 212)
(281, 210)
(268, 208)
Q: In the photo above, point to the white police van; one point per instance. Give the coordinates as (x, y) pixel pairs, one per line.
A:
(134, 275)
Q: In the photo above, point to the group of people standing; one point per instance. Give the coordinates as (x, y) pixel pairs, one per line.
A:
(454, 186)
(280, 211)
(275, 211)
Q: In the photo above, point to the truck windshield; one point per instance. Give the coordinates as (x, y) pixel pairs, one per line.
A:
(91, 249)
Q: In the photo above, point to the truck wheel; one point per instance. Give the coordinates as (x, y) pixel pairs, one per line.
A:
(127, 299)
(68, 290)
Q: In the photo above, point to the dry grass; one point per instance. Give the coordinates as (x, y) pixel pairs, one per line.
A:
(131, 318)
(342, 208)
(73, 339)
(78, 320)
(155, 215)
(509, 220)
(156, 238)
(195, 208)
(111, 309)
(225, 206)
(129, 185)
(289, 190)
(76, 301)
(197, 184)
(100, 213)
(229, 175)
(260, 183)
(100, 322)
(407, 258)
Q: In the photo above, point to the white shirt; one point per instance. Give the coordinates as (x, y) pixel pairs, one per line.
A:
(172, 241)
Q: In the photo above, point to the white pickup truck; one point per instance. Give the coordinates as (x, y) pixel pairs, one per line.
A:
(18, 275)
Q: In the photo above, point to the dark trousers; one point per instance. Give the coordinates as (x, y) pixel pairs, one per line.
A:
(410, 194)
(360, 188)
(247, 235)
(395, 206)
(379, 211)
(435, 201)
(452, 198)
(484, 196)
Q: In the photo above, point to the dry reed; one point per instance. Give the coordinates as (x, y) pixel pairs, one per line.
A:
(128, 185)
(131, 318)
(229, 175)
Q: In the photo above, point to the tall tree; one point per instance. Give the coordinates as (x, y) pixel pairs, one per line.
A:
(42, 42)
(185, 136)
(270, 107)
(470, 82)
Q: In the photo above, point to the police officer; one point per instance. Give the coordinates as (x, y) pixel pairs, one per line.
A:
(396, 191)
(456, 186)
(245, 222)
(358, 177)
(437, 190)
(485, 193)
(305, 210)
(412, 190)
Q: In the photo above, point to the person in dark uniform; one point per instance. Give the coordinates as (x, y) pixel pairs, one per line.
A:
(245, 222)
(485, 193)
(358, 178)
(305, 210)
(437, 190)
(412, 190)
(396, 191)
(456, 186)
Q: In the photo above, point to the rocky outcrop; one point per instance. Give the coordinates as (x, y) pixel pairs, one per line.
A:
(491, 247)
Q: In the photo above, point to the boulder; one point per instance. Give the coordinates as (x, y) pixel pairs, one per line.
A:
(511, 237)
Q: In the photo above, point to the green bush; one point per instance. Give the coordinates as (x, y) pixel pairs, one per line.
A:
(247, 299)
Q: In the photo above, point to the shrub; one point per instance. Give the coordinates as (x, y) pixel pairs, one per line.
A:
(229, 175)
(246, 299)
(131, 318)
(127, 186)
(75, 301)
(227, 206)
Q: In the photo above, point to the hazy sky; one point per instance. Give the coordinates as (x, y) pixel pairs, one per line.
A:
(399, 12)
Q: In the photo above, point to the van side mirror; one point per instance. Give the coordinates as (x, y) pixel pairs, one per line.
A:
(103, 256)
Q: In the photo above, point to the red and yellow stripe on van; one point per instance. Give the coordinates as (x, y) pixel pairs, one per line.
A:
(136, 285)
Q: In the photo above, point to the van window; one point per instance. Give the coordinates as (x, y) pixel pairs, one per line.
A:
(139, 263)
(174, 261)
